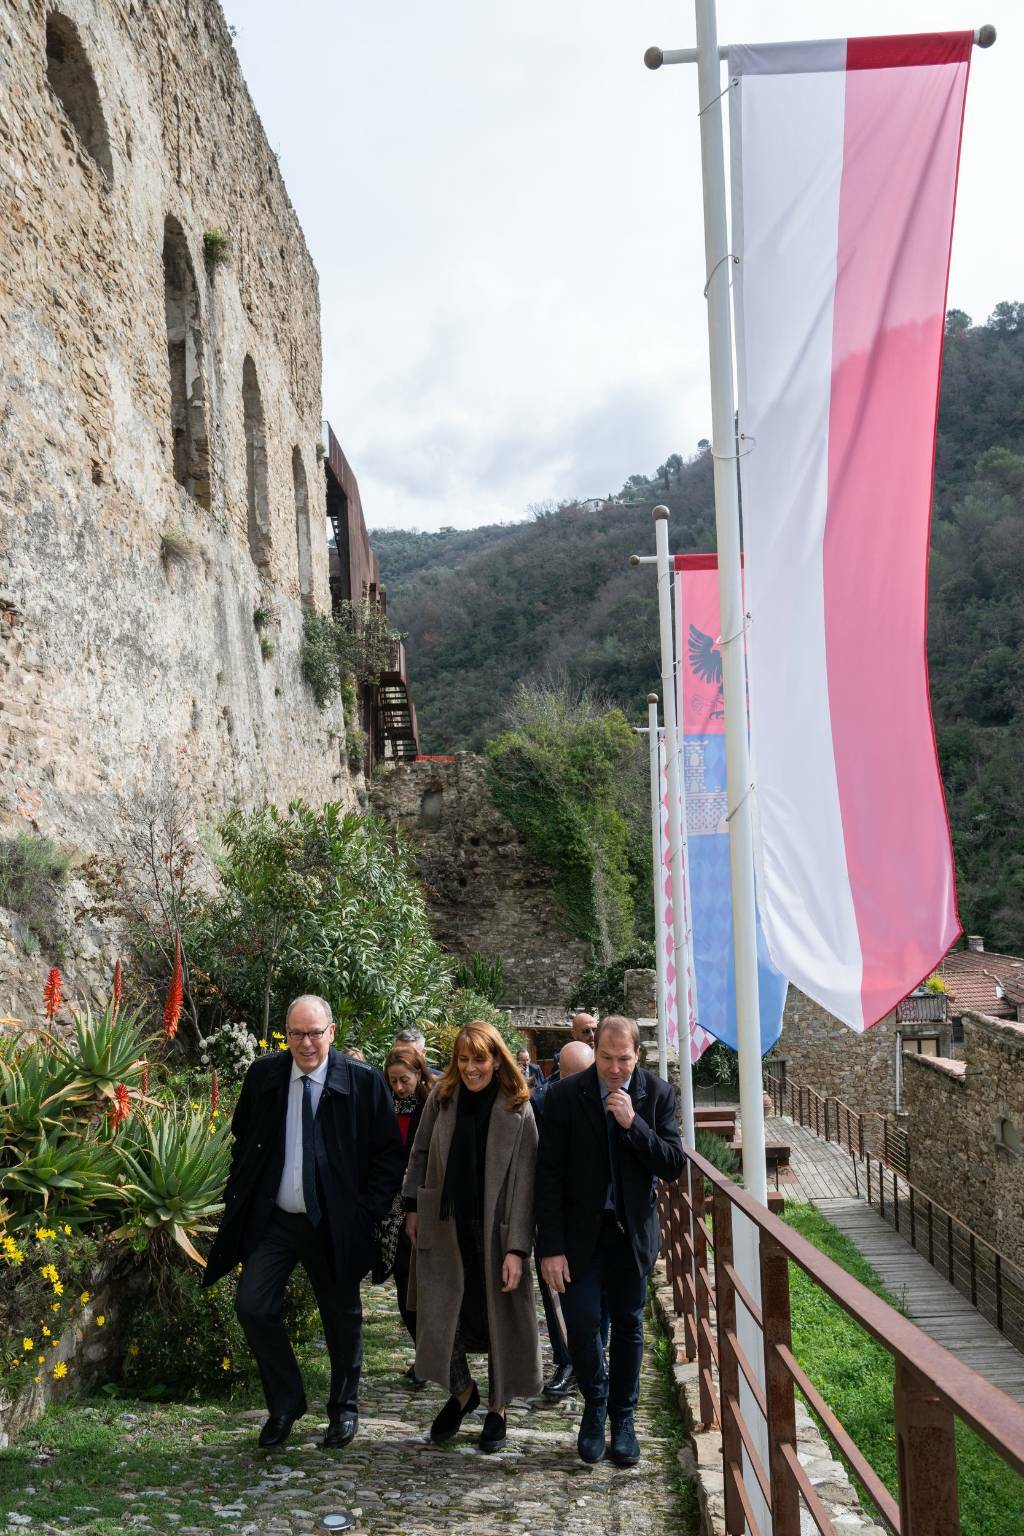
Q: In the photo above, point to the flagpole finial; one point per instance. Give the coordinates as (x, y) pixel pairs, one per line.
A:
(654, 58)
(634, 559)
(983, 38)
(652, 698)
(661, 514)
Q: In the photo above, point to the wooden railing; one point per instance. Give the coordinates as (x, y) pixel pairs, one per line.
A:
(990, 1281)
(932, 1388)
(827, 1117)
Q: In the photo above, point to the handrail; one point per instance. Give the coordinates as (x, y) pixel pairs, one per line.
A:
(932, 1387)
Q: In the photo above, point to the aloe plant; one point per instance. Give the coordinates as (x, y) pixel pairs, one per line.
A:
(33, 1086)
(176, 1166)
(80, 1174)
(107, 1049)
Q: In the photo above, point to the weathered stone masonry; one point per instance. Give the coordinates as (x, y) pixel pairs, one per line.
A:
(159, 425)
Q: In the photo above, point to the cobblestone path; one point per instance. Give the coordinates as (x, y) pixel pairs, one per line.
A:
(107, 1466)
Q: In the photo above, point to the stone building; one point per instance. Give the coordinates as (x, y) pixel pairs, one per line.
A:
(485, 893)
(162, 500)
(967, 1130)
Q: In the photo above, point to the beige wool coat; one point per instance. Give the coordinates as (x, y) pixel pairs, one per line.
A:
(435, 1278)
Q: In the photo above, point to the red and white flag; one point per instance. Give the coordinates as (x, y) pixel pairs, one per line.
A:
(844, 175)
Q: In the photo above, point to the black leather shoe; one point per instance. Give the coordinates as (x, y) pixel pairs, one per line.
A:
(446, 1426)
(277, 1429)
(416, 1382)
(562, 1383)
(625, 1448)
(341, 1431)
(492, 1436)
(590, 1441)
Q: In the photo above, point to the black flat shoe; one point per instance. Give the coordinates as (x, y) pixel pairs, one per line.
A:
(416, 1382)
(562, 1383)
(493, 1434)
(341, 1431)
(446, 1426)
(277, 1429)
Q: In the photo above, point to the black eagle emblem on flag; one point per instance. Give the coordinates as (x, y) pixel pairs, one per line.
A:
(706, 661)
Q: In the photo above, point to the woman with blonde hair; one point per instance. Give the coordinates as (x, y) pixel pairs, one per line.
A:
(469, 1194)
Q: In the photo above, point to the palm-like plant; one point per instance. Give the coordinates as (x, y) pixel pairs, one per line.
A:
(108, 1048)
(177, 1166)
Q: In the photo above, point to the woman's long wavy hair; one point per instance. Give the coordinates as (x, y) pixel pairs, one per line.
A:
(409, 1057)
(482, 1040)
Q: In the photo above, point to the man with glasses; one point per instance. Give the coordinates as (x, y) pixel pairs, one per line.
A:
(316, 1162)
(584, 1028)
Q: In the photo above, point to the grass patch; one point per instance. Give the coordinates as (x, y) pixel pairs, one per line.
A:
(855, 1376)
(32, 870)
(668, 1424)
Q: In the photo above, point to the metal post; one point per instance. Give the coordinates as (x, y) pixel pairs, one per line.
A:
(659, 884)
(675, 827)
(730, 596)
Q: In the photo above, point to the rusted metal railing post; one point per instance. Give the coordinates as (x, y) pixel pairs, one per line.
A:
(684, 1262)
(728, 1369)
(779, 1391)
(926, 1446)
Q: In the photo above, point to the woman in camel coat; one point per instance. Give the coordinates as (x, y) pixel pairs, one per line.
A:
(469, 1192)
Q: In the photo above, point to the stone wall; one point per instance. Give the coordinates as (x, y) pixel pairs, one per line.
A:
(966, 1125)
(485, 894)
(159, 427)
(824, 1054)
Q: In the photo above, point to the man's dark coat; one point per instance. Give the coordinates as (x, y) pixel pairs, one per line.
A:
(359, 1158)
(573, 1166)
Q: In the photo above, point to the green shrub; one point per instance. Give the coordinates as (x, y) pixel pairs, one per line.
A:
(216, 247)
(484, 976)
(32, 870)
(719, 1154)
(602, 986)
(719, 1067)
(266, 647)
(40, 1293)
(319, 658)
(465, 1005)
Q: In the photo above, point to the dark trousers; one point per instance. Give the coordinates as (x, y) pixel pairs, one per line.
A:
(259, 1300)
(612, 1272)
(403, 1258)
(559, 1352)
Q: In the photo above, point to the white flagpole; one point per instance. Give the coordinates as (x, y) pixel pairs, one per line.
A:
(675, 829)
(659, 883)
(730, 597)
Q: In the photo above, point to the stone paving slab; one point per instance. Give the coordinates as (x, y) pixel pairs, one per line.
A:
(392, 1479)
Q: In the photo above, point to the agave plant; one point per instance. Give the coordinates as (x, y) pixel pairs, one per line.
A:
(108, 1048)
(78, 1173)
(177, 1166)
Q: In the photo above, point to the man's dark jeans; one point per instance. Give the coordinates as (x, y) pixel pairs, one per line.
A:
(612, 1273)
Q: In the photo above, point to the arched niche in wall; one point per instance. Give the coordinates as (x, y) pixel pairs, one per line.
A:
(73, 83)
(303, 535)
(185, 358)
(257, 494)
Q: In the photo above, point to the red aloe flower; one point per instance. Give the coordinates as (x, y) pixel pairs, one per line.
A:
(118, 982)
(53, 992)
(122, 1106)
(214, 1093)
(172, 1007)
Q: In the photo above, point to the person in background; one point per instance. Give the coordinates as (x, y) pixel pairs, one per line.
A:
(469, 1189)
(608, 1134)
(352, 1052)
(315, 1163)
(530, 1069)
(417, 1039)
(584, 1027)
(576, 1057)
(406, 1075)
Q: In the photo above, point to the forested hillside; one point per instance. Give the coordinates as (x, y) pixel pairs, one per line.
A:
(554, 596)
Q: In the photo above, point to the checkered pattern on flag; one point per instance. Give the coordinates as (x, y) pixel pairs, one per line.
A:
(699, 1038)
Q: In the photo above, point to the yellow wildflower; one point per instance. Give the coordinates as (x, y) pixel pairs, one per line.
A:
(262, 1044)
(55, 1306)
(276, 1035)
(43, 1233)
(49, 1272)
(84, 1297)
(46, 1332)
(225, 1364)
(60, 1370)
(133, 1349)
(28, 1344)
(67, 1230)
(40, 1360)
(100, 1320)
(36, 1379)
(58, 1288)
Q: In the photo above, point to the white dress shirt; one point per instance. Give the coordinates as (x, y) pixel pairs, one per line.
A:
(289, 1194)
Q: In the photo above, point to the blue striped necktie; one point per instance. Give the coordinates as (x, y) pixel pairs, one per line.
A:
(308, 1154)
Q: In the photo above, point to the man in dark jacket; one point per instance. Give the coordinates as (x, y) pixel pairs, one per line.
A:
(607, 1135)
(316, 1162)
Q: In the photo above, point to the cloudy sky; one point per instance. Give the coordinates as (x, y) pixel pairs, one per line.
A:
(504, 208)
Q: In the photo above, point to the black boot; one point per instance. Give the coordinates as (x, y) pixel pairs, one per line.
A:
(590, 1441)
(562, 1383)
(625, 1448)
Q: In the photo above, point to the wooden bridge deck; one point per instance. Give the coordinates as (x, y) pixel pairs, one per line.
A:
(824, 1175)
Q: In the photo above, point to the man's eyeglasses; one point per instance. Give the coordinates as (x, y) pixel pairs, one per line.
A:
(297, 1035)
